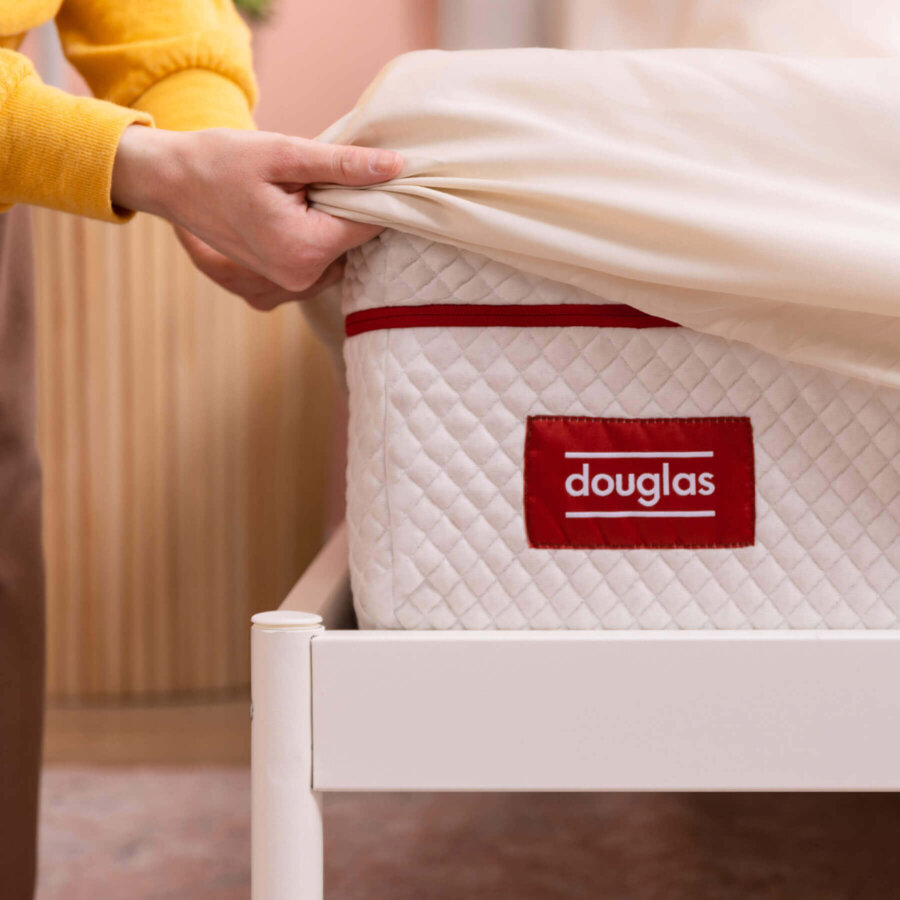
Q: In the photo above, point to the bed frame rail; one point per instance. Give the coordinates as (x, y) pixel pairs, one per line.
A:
(563, 711)
(599, 711)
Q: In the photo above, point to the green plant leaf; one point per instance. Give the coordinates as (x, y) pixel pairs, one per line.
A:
(255, 10)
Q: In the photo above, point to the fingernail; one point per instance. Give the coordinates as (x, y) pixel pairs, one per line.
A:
(382, 162)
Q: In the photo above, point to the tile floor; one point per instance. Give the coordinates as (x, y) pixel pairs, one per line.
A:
(153, 834)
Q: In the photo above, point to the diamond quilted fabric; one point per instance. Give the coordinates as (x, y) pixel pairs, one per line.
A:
(435, 483)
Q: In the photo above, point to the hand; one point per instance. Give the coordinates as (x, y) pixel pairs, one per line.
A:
(238, 201)
(256, 289)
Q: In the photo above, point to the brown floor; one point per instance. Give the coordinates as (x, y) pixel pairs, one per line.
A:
(155, 833)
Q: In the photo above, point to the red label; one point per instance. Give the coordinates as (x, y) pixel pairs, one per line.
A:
(632, 483)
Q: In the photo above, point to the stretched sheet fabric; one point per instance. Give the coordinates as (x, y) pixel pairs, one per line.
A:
(751, 196)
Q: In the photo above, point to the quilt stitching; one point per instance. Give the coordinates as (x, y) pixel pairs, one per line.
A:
(828, 469)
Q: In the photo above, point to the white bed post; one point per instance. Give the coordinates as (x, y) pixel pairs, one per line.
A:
(287, 848)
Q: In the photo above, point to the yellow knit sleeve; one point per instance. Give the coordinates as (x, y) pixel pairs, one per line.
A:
(55, 149)
(185, 62)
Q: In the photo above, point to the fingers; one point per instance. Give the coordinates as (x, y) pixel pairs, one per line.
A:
(336, 236)
(260, 292)
(332, 275)
(307, 243)
(307, 162)
(209, 261)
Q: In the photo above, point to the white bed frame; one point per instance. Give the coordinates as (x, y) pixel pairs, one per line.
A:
(342, 710)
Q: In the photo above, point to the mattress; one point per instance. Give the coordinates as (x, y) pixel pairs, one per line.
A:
(523, 454)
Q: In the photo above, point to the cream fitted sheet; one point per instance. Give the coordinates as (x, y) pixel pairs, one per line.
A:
(745, 195)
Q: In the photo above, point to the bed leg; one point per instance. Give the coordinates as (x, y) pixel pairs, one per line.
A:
(286, 819)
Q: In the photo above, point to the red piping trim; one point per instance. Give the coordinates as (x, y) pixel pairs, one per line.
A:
(446, 315)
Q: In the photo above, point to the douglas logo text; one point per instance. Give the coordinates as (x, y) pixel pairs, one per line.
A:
(622, 483)
(650, 486)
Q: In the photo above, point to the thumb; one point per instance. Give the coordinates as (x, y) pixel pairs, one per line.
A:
(311, 161)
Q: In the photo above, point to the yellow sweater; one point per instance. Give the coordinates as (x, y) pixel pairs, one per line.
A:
(181, 64)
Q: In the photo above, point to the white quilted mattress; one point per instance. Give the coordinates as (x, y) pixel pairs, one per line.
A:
(513, 464)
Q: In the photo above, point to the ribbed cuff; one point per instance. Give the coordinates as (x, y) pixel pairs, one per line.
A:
(58, 150)
(194, 99)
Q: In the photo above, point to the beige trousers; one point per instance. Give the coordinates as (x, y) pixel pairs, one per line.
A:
(21, 565)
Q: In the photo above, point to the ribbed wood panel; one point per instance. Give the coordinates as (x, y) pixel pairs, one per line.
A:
(184, 440)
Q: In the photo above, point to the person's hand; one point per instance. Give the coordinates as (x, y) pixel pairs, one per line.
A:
(238, 201)
(260, 292)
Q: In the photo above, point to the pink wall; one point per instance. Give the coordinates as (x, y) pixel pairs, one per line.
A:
(315, 57)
